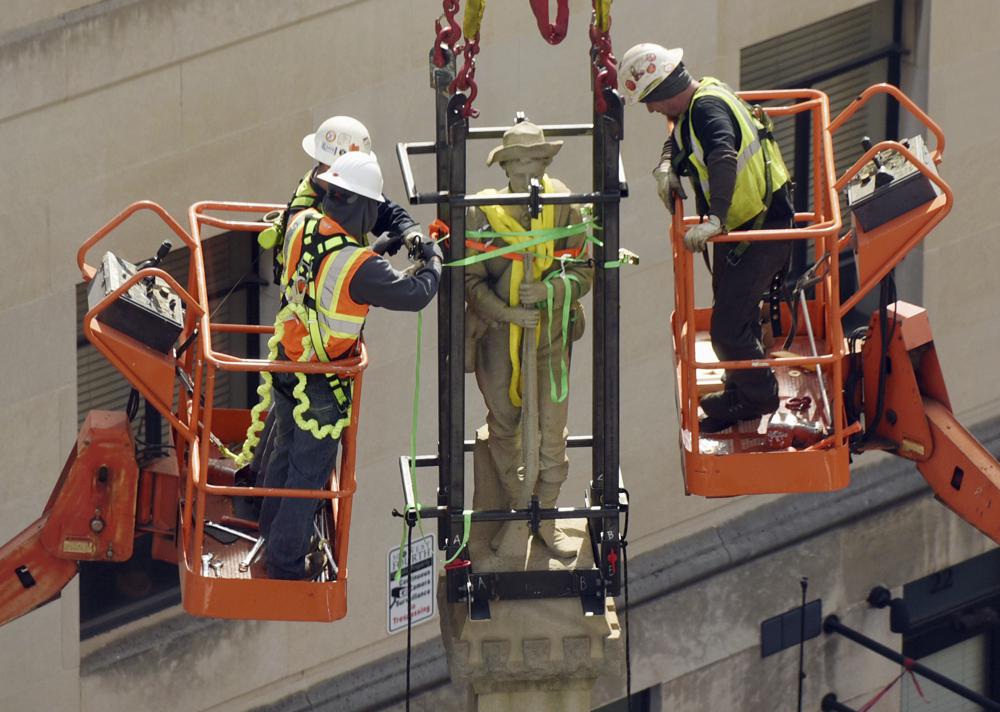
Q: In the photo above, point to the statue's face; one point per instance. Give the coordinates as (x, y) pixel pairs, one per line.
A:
(520, 171)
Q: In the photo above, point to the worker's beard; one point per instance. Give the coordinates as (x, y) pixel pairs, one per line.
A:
(355, 213)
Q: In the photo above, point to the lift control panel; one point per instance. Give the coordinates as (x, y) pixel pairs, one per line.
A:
(150, 311)
(890, 185)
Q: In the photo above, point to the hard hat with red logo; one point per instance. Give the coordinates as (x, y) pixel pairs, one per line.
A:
(335, 137)
(356, 172)
(644, 67)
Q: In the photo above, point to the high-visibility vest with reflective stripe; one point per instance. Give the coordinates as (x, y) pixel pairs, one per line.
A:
(752, 160)
(305, 195)
(321, 321)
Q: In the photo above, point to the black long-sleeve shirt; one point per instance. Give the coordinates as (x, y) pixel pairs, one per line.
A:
(720, 135)
(379, 284)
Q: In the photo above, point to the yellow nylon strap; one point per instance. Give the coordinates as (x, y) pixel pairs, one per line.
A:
(602, 8)
(502, 221)
(474, 10)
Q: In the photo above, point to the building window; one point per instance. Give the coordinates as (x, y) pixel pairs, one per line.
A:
(112, 594)
(955, 630)
(841, 56)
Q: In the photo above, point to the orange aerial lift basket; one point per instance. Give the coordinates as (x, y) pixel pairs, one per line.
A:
(221, 570)
(805, 446)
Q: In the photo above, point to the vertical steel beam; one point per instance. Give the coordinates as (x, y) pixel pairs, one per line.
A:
(441, 78)
(451, 324)
(604, 485)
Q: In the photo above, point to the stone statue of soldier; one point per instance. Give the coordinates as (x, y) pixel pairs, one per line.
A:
(505, 301)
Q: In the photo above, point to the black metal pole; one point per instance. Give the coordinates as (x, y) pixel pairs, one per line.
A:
(451, 322)
(830, 704)
(804, 582)
(608, 130)
(832, 624)
(441, 78)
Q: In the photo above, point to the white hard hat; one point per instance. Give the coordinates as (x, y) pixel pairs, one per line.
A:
(356, 172)
(644, 66)
(335, 137)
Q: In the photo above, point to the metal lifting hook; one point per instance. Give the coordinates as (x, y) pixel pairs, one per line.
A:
(448, 34)
(465, 81)
(552, 33)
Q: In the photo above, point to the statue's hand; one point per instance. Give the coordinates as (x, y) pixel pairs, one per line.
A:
(532, 292)
(527, 318)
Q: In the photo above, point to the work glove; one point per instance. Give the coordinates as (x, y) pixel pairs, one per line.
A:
(429, 250)
(387, 244)
(532, 292)
(526, 318)
(668, 185)
(696, 238)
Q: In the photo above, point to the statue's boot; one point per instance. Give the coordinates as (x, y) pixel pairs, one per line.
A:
(557, 541)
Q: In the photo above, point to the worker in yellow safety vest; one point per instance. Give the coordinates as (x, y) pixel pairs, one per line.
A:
(504, 303)
(727, 150)
(330, 281)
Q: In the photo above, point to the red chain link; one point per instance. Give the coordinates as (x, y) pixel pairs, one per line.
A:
(605, 67)
(465, 80)
(553, 33)
(447, 34)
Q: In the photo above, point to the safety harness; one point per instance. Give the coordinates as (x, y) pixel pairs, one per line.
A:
(299, 300)
(756, 117)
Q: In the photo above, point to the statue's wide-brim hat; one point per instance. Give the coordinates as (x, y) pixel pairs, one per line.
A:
(524, 139)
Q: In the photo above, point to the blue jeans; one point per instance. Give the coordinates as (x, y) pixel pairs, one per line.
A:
(298, 460)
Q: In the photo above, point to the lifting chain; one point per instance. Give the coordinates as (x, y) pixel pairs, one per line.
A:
(448, 32)
(465, 80)
(605, 67)
(553, 33)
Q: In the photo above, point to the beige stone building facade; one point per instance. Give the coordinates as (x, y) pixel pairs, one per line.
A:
(110, 101)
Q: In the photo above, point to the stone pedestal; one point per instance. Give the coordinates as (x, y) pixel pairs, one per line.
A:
(537, 655)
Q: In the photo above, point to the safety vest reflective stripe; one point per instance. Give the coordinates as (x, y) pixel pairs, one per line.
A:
(752, 161)
(748, 149)
(343, 325)
(321, 260)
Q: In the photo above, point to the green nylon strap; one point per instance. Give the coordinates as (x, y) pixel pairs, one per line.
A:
(413, 438)
(543, 235)
(559, 394)
(416, 412)
(466, 526)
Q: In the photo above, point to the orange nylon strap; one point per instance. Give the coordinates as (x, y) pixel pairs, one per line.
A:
(483, 247)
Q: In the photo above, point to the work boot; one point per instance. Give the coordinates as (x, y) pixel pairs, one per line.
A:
(725, 409)
(555, 539)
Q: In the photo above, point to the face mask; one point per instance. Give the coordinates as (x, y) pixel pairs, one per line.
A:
(370, 215)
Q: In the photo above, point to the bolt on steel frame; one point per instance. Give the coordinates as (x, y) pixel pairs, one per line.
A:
(605, 502)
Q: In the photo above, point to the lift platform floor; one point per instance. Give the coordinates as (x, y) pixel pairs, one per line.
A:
(800, 420)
